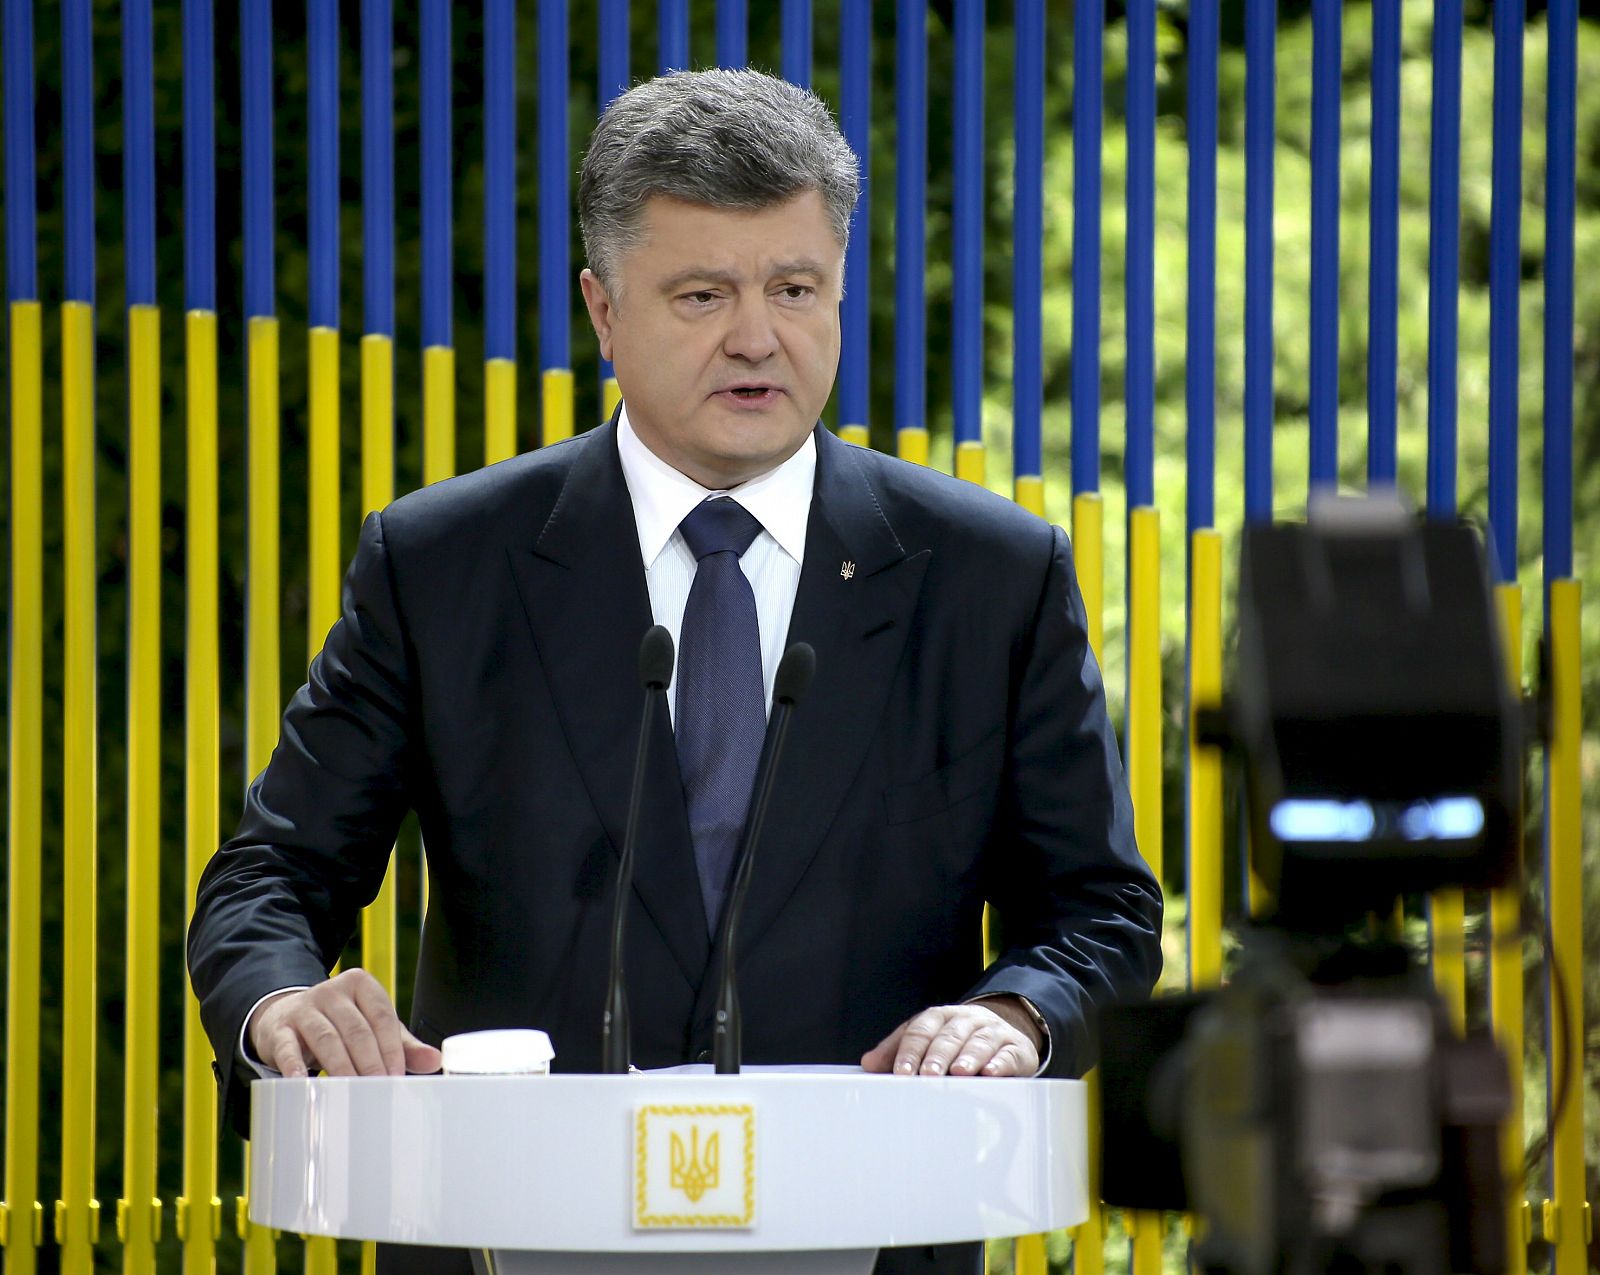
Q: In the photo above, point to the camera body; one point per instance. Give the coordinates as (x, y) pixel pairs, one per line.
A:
(1319, 1113)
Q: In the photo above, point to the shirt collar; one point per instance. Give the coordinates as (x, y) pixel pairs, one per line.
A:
(780, 499)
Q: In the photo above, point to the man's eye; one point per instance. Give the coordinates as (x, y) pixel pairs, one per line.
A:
(797, 291)
(700, 298)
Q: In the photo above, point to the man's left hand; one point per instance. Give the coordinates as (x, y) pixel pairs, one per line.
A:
(961, 1040)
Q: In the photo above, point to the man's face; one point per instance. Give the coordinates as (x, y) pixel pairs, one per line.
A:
(725, 333)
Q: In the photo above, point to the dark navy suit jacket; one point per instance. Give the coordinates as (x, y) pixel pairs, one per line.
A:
(953, 748)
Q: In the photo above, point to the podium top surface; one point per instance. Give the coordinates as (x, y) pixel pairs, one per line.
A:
(676, 1161)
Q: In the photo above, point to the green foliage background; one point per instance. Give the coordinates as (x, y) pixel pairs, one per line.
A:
(1291, 325)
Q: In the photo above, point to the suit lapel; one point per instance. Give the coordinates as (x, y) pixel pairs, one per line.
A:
(858, 589)
(582, 586)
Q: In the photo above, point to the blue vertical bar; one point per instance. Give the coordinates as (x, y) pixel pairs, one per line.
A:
(555, 317)
(1326, 40)
(500, 179)
(855, 118)
(1200, 362)
(911, 161)
(733, 33)
(1383, 245)
(437, 163)
(1260, 127)
(255, 54)
(1139, 288)
(1444, 257)
(1559, 211)
(1505, 265)
(138, 154)
(796, 24)
(613, 64)
(614, 72)
(199, 159)
(22, 258)
(77, 144)
(322, 162)
(966, 318)
(377, 167)
(1088, 32)
(672, 35)
(1027, 244)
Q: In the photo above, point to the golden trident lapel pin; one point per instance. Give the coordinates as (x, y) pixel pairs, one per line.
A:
(846, 569)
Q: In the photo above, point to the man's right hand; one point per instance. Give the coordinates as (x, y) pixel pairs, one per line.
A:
(346, 1026)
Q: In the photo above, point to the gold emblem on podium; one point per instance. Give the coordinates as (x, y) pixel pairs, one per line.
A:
(691, 1173)
(695, 1167)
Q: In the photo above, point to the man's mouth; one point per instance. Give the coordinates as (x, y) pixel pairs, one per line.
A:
(749, 395)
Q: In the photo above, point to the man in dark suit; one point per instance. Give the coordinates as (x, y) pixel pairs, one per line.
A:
(954, 746)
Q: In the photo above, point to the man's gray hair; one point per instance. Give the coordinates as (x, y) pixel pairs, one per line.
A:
(727, 139)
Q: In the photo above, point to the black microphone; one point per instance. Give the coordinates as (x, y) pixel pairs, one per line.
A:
(655, 671)
(794, 675)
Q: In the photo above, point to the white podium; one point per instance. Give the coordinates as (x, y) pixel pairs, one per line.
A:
(805, 1171)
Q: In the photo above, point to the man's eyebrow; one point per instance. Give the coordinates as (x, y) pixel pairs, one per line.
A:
(714, 274)
(696, 274)
(802, 266)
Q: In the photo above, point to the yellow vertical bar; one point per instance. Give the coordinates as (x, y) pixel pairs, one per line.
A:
(1144, 680)
(139, 1211)
(1567, 1220)
(322, 1255)
(377, 422)
(1447, 923)
(322, 603)
(1144, 760)
(1505, 976)
(971, 464)
(1028, 491)
(77, 1211)
(21, 1226)
(499, 410)
(857, 434)
(1031, 1258)
(438, 413)
(1205, 764)
(1088, 539)
(199, 1211)
(1089, 1237)
(911, 444)
(556, 399)
(262, 704)
(377, 490)
(1088, 551)
(262, 655)
(610, 396)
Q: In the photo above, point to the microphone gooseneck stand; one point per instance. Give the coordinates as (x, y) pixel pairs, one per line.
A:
(655, 671)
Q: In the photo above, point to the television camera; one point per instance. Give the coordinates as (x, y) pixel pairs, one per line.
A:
(1319, 1113)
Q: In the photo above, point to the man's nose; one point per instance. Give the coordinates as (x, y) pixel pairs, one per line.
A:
(750, 335)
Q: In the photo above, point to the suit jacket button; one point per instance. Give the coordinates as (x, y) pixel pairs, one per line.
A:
(703, 1056)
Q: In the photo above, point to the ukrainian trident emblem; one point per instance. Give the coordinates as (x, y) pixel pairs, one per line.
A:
(695, 1166)
(693, 1171)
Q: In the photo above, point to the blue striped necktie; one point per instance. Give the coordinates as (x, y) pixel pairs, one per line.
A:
(721, 715)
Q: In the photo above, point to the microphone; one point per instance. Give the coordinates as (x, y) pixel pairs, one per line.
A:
(655, 671)
(794, 675)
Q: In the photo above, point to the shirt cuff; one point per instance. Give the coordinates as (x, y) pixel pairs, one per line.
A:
(1033, 1011)
(248, 1055)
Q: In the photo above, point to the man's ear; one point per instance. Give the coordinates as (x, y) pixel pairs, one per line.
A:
(601, 309)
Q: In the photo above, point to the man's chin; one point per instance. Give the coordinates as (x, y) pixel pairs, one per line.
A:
(733, 463)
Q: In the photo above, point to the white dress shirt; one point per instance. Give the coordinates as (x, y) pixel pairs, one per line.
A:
(780, 500)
